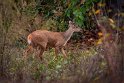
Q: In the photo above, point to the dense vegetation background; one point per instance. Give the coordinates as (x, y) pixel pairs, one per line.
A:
(94, 56)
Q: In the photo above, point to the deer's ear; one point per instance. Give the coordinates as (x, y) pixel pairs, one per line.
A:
(70, 22)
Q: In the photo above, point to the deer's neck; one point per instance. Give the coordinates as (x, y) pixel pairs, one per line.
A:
(68, 34)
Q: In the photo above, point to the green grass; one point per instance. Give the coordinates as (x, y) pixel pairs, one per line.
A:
(77, 64)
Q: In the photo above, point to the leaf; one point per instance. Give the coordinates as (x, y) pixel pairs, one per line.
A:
(97, 11)
(68, 12)
(111, 20)
(78, 21)
(81, 17)
(100, 34)
(78, 13)
(99, 41)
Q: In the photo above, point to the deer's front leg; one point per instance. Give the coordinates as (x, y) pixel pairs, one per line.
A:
(63, 52)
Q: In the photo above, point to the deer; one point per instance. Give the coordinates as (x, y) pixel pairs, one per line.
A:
(41, 39)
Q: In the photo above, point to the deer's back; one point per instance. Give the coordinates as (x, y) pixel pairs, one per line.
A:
(44, 36)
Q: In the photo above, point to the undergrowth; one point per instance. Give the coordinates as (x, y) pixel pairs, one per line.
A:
(83, 65)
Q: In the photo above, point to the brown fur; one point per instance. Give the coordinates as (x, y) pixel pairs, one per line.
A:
(40, 39)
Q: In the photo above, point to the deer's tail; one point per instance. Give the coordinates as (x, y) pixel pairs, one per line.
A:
(29, 39)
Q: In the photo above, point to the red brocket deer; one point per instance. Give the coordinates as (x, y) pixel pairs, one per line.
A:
(40, 39)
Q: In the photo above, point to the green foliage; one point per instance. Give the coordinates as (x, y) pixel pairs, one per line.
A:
(57, 13)
(66, 10)
(78, 11)
(60, 68)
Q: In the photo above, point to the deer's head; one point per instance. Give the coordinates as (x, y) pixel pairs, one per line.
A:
(74, 27)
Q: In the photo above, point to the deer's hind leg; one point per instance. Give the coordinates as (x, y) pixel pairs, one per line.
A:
(63, 52)
(56, 51)
(41, 53)
(42, 48)
(30, 48)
